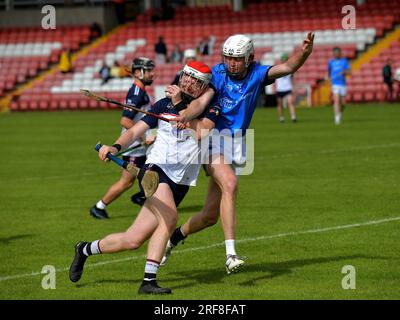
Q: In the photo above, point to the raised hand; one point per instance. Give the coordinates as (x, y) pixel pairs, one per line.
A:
(174, 93)
(308, 44)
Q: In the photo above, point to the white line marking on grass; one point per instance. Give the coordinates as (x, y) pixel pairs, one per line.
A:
(279, 235)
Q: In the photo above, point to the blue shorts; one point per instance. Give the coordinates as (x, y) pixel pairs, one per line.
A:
(178, 190)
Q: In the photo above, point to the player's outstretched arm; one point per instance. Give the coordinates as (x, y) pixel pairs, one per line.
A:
(294, 62)
(125, 139)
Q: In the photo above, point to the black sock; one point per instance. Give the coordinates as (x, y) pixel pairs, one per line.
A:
(149, 277)
(177, 236)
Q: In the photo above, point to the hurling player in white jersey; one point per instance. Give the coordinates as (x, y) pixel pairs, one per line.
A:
(284, 90)
(143, 74)
(175, 157)
(238, 82)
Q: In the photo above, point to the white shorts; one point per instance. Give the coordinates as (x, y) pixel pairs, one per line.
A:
(339, 89)
(232, 148)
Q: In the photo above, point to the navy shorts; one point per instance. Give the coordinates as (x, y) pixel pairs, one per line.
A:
(282, 94)
(137, 161)
(178, 190)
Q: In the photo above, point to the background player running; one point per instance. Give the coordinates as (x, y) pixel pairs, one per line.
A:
(143, 73)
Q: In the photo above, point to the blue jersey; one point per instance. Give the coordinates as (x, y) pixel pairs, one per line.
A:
(238, 98)
(336, 68)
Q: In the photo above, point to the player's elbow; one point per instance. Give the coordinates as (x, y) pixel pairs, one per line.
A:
(280, 70)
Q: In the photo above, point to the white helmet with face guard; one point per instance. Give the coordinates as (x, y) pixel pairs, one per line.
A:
(238, 46)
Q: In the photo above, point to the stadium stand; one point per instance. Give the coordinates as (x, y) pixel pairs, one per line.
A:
(276, 28)
(366, 83)
(24, 52)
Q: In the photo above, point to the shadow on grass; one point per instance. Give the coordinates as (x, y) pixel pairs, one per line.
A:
(133, 282)
(269, 270)
(8, 240)
(191, 278)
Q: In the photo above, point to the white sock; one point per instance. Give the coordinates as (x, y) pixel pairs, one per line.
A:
(101, 205)
(91, 248)
(150, 270)
(230, 247)
(151, 266)
(94, 247)
(338, 118)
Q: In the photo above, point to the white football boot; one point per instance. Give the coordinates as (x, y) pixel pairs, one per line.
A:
(168, 251)
(234, 263)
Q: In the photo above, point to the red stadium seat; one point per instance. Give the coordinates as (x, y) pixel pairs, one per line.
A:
(63, 104)
(53, 104)
(83, 103)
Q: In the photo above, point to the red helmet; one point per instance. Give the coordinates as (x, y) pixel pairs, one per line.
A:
(194, 78)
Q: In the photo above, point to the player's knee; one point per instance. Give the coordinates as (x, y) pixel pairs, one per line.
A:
(125, 184)
(210, 218)
(230, 186)
(171, 222)
(132, 244)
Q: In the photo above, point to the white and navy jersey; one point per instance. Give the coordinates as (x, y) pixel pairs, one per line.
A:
(177, 152)
(136, 97)
(284, 84)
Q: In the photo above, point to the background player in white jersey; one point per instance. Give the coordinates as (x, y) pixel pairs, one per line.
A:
(238, 81)
(175, 157)
(284, 91)
(143, 73)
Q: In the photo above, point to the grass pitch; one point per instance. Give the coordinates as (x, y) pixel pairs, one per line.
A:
(321, 197)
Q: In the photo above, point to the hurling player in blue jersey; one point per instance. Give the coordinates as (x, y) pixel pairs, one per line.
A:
(143, 74)
(238, 81)
(338, 69)
(175, 157)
